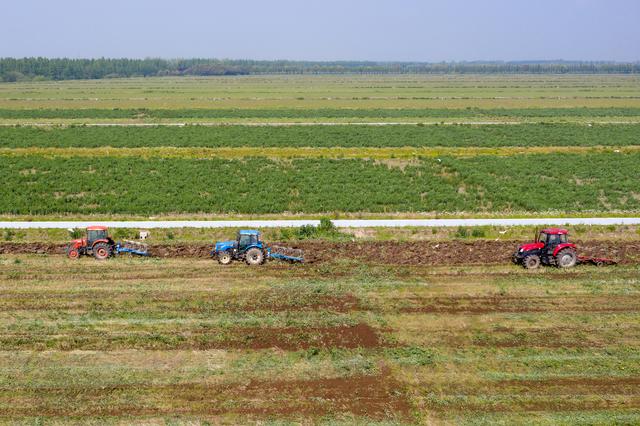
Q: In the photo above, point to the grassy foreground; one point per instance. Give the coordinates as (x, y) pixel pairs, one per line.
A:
(182, 341)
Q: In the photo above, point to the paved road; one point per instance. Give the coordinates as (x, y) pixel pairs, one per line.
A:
(349, 223)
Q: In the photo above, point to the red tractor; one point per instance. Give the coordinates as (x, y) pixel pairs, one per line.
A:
(97, 243)
(552, 247)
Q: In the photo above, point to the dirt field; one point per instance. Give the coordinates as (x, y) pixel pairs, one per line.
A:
(478, 252)
(182, 340)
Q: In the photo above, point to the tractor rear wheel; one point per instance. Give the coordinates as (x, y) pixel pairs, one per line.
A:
(224, 258)
(566, 258)
(254, 257)
(73, 253)
(101, 251)
(531, 262)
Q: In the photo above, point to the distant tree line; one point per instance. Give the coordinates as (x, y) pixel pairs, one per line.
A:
(16, 69)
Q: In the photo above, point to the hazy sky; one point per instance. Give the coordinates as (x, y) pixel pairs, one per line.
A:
(404, 30)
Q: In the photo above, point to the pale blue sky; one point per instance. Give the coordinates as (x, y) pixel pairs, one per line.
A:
(400, 30)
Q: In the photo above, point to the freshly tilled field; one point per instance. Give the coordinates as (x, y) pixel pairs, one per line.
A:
(434, 253)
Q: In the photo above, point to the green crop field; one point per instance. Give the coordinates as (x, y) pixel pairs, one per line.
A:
(561, 144)
(525, 135)
(579, 183)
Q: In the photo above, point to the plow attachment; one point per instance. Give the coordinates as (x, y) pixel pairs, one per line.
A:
(287, 254)
(598, 261)
(132, 247)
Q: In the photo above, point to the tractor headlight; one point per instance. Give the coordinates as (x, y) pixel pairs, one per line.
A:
(521, 250)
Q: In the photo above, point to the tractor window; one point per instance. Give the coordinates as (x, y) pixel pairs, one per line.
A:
(247, 240)
(93, 235)
(553, 239)
(563, 238)
(542, 238)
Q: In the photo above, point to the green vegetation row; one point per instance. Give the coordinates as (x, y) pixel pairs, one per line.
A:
(530, 183)
(325, 136)
(16, 69)
(317, 113)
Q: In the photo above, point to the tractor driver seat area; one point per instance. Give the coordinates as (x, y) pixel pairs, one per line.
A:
(247, 240)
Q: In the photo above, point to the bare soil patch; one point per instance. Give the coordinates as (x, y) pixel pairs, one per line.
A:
(377, 397)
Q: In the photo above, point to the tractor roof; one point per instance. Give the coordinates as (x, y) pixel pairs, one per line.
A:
(96, 228)
(555, 231)
(248, 232)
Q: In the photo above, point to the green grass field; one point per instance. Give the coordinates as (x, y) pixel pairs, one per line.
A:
(183, 341)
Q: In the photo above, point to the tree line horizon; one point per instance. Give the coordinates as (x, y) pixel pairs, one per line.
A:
(40, 68)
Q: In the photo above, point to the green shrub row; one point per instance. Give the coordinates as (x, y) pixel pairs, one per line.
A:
(325, 136)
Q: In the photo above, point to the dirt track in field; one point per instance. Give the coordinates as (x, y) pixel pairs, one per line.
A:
(377, 396)
(479, 252)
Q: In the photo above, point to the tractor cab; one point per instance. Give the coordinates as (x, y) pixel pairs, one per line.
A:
(552, 237)
(96, 233)
(248, 239)
(551, 247)
(247, 246)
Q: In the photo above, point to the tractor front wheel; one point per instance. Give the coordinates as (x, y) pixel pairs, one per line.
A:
(224, 258)
(531, 262)
(101, 251)
(566, 258)
(254, 257)
(73, 253)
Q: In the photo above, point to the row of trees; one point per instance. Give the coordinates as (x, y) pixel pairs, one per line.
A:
(15, 69)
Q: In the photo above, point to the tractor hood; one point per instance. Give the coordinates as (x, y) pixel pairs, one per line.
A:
(531, 246)
(225, 245)
(80, 242)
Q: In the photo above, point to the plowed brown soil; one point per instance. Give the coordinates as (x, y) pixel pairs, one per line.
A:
(377, 397)
(478, 252)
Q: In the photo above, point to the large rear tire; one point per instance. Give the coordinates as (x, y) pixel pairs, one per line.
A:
(254, 257)
(531, 262)
(101, 251)
(566, 258)
(224, 258)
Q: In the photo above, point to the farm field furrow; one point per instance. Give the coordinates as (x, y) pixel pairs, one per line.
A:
(347, 341)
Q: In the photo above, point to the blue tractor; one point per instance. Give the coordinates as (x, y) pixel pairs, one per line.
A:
(249, 248)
